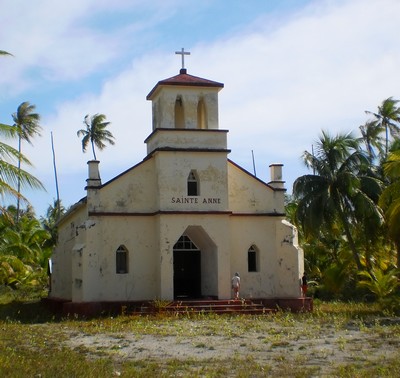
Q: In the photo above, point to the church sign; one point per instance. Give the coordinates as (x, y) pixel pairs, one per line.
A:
(206, 200)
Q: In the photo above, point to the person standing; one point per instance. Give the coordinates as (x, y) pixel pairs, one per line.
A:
(236, 285)
(304, 285)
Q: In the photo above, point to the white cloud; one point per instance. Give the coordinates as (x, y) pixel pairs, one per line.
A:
(285, 80)
(66, 41)
(322, 70)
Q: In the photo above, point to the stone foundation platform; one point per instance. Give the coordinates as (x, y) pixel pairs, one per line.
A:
(185, 306)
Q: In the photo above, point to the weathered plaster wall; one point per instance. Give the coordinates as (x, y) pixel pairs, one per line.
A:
(204, 139)
(61, 280)
(289, 261)
(101, 282)
(134, 191)
(173, 170)
(259, 231)
(249, 195)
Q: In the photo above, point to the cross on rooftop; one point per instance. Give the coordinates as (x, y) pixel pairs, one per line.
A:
(183, 53)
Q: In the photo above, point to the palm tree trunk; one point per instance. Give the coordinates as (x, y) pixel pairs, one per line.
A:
(94, 152)
(350, 239)
(19, 177)
(55, 177)
(387, 140)
(352, 246)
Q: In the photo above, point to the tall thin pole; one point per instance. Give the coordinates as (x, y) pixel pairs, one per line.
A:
(254, 164)
(56, 179)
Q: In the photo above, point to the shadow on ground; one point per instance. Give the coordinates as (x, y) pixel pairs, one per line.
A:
(27, 312)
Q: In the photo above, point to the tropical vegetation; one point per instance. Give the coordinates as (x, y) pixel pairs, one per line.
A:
(23, 251)
(347, 210)
(24, 246)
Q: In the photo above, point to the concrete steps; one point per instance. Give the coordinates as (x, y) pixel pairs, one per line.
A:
(255, 306)
(240, 306)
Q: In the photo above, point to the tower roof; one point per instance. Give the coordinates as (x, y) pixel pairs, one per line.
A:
(184, 79)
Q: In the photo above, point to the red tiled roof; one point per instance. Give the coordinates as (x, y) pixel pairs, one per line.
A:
(185, 79)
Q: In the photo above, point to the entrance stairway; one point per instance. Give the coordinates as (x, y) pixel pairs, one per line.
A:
(182, 306)
(205, 306)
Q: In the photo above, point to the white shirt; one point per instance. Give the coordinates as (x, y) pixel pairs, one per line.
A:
(236, 281)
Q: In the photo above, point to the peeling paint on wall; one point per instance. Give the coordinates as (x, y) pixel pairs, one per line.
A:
(231, 212)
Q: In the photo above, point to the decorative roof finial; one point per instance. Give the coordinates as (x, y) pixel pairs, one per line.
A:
(183, 53)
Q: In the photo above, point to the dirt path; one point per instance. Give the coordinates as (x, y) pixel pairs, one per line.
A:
(325, 347)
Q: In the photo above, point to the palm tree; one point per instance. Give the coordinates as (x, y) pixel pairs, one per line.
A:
(25, 239)
(14, 272)
(390, 199)
(27, 125)
(370, 135)
(49, 223)
(379, 282)
(24, 251)
(388, 116)
(339, 191)
(11, 175)
(95, 133)
(53, 214)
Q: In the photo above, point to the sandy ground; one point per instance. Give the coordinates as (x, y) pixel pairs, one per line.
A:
(326, 348)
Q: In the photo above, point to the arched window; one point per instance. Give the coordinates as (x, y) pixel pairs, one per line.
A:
(192, 184)
(252, 259)
(201, 115)
(121, 260)
(184, 243)
(179, 114)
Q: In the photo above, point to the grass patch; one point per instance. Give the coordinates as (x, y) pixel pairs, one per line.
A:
(331, 341)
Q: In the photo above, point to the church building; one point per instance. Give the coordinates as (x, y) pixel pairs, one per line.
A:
(180, 223)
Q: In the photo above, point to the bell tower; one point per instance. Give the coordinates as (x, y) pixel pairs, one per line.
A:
(188, 148)
(183, 104)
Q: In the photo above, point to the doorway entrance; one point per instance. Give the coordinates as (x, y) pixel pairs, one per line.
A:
(187, 269)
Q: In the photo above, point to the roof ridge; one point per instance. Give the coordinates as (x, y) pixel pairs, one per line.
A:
(185, 79)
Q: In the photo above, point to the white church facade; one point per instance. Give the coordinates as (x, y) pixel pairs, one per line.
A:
(181, 222)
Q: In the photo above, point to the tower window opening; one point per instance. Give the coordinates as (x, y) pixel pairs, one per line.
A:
(179, 113)
(201, 115)
(192, 184)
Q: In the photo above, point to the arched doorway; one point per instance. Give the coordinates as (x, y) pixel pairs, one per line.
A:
(187, 269)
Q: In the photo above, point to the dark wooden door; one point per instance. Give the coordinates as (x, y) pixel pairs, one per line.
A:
(187, 274)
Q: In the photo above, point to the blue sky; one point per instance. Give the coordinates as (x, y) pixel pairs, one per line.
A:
(290, 67)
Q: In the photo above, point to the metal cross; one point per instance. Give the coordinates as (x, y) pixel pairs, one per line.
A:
(183, 53)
